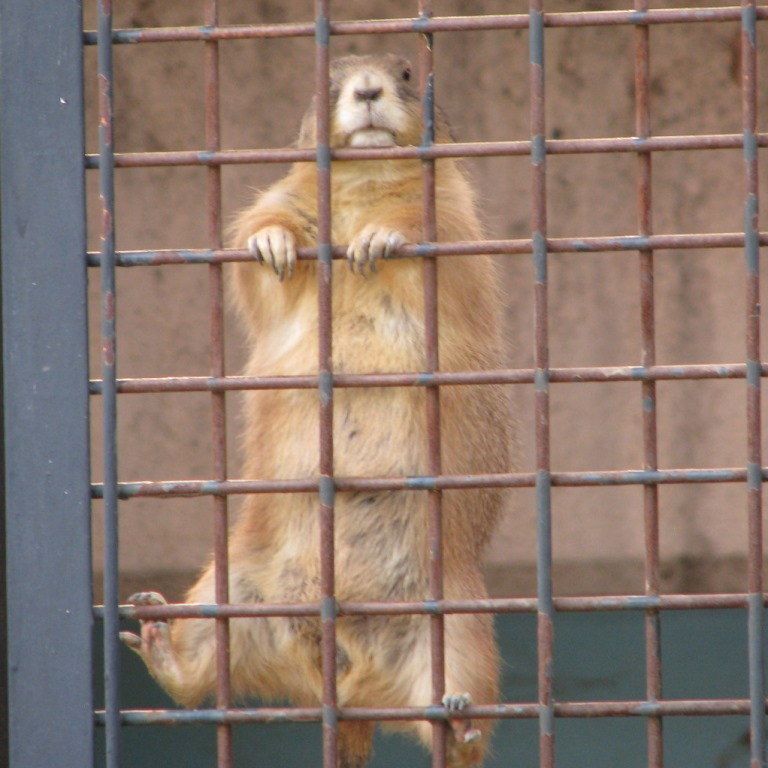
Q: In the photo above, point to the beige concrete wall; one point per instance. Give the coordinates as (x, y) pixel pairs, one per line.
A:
(482, 82)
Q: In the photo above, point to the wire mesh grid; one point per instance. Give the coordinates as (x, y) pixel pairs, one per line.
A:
(642, 145)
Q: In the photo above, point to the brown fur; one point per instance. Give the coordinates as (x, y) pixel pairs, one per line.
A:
(381, 538)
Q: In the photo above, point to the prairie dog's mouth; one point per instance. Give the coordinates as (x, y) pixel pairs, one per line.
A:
(371, 137)
(369, 112)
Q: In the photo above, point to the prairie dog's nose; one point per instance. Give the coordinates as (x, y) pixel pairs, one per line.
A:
(366, 86)
(368, 94)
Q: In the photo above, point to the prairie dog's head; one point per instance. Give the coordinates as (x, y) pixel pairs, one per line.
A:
(372, 104)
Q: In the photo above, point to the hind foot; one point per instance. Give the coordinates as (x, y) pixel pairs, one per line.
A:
(154, 643)
(462, 728)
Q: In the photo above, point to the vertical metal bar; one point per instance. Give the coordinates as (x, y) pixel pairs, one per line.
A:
(46, 496)
(432, 394)
(543, 477)
(218, 399)
(325, 369)
(109, 391)
(650, 432)
(756, 632)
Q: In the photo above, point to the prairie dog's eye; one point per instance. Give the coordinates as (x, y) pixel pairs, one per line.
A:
(407, 74)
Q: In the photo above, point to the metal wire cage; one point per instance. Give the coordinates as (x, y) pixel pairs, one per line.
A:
(60, 319)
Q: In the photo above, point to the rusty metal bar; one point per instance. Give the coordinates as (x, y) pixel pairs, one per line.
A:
(444, 24)
(326, 486)
(188, 488)
(546, 612)
(521, 148)
(468, 248)
(453, 378)
(653, 662)
(465, 248)
(218, 401)
(756, 622)
(432, 361)
(522, 711)
(505, 605)
(110, 495)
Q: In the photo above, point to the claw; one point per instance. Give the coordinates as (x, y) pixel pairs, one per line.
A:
(469, 735)
(455, 702)
(275, 246)
(147, 598)
(351, 259)
(254, 249)
(373, 243)
(131, 640)
(392, 244)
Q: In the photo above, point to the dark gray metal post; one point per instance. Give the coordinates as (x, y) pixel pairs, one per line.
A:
(45, 389)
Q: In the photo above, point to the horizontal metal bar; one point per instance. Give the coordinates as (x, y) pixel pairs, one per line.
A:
(190, 488)
(511, 711)
(506, 605)
(719, 371)
(177, 488)
(616, 243)
(575, 709)
(520, 148)
(423, 25)
(215, 716)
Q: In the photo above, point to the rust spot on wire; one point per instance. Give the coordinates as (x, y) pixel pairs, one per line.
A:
(108, 352)
(105, 109)
(106, 220)
(109, 306)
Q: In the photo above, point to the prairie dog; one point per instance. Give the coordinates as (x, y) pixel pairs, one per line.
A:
(382, 550)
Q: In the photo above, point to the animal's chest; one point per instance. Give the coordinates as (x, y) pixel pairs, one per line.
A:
(375, 331)
(371, 194)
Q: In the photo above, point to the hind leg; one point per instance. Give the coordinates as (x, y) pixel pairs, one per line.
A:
(471, 675)
(354, 744)
(186, 677)
(181, 654)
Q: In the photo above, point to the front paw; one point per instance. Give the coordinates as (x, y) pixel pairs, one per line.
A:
(275, 246)
(373, 243)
